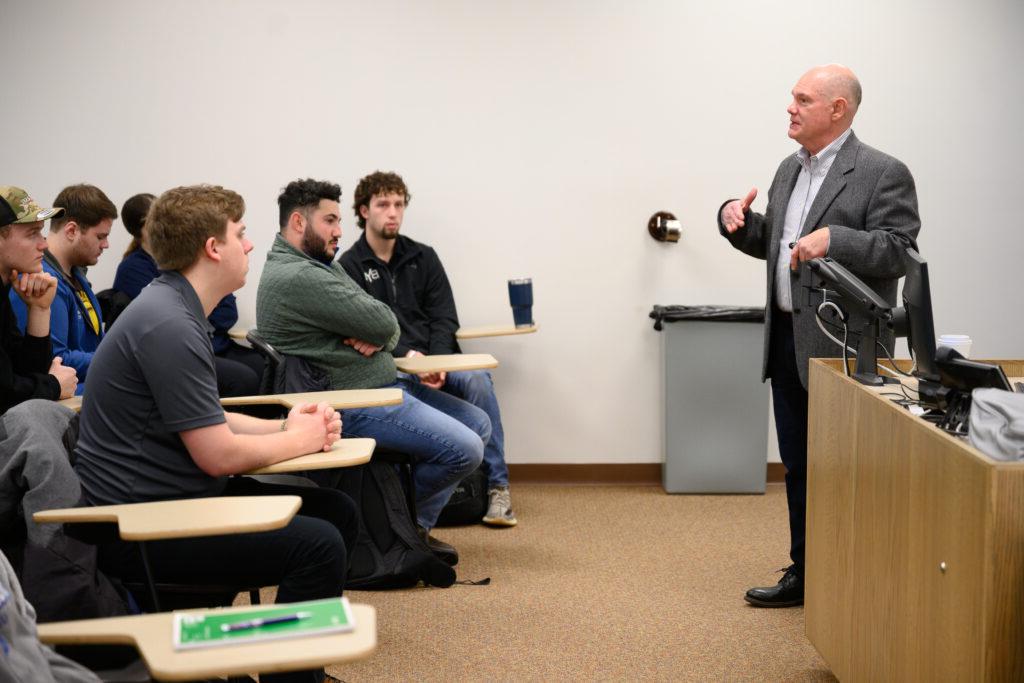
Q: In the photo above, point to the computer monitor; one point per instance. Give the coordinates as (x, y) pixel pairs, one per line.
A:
(915, 321)
(827, 276)
(957, 372)
(851, 288)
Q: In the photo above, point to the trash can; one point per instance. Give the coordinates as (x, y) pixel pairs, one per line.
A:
(716, 407)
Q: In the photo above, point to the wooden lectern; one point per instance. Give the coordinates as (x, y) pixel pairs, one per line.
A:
(915, 542)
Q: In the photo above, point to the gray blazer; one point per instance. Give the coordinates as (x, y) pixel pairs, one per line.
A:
(869, 202)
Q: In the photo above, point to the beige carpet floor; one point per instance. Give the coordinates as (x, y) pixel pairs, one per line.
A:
(597, 584)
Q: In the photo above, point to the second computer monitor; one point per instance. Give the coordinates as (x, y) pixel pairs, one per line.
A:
(917, 302)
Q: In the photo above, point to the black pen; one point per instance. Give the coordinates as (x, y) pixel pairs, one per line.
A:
(264, 621)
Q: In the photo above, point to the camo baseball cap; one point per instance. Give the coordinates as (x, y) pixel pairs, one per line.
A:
(17, 207)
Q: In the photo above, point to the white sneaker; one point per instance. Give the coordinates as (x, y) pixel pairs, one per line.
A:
(499, 508)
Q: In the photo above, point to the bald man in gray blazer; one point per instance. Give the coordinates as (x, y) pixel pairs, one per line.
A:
(835, 197)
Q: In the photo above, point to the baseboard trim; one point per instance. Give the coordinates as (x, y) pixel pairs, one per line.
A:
(633, 474)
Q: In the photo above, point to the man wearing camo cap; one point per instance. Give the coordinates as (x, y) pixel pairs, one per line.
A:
(28, 368)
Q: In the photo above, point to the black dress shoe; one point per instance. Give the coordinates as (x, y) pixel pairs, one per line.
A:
(444, 552)
(788, 592)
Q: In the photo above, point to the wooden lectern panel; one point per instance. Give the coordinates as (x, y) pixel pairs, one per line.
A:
(915, 543)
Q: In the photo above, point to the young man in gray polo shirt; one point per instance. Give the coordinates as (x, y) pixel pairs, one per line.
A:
(152, 426)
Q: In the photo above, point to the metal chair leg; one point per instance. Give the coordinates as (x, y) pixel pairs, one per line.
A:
(149, 576)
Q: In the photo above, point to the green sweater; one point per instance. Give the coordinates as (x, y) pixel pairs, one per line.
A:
(307, 309)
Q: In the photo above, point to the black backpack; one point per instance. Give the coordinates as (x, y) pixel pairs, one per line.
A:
(389, 553)
(468, 503)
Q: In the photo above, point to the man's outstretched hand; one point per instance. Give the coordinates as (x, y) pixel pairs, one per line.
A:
(734, 211)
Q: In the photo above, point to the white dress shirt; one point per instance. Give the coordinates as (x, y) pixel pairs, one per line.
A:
(813, 170)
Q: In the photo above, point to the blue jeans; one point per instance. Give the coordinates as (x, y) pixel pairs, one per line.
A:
(445, 436)
(477, 387)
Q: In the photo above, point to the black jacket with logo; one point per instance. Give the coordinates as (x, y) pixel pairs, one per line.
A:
(24, 361)
(416, 288)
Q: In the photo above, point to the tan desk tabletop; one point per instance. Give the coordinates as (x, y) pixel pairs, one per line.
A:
(492, 331)
(416, 365)
(339, 399)
(344, 453)
(185, 518)
(152, 634)
(238, 333)
(75, 403)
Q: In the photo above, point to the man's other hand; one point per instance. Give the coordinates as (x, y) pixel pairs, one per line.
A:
(434, 380)
(363, 347)
(733, 212)
(332, 421)
(67, 377)
(35, 289)
(811, 246)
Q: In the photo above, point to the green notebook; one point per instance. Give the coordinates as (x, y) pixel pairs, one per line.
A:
(216, 627)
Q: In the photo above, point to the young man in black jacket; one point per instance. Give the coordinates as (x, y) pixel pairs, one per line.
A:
(27, 366)
(409, 277)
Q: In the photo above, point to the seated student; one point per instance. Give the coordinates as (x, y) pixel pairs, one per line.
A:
(408, 277)
(137, 268)
(28, 368)
(153, 427)
(76, 240)
(22, 656)
(307, 306)
(239, 369)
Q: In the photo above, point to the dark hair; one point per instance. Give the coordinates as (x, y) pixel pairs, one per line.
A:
(374, 184)
(181, 220)
(83, 204)
(305, 196)
(133, 215)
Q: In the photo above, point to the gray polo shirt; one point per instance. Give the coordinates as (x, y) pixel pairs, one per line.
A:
(152, 377)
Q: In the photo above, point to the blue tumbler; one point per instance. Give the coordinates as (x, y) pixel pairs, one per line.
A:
(520, 295)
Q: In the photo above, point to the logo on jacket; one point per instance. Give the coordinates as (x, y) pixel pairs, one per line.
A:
(371, 275)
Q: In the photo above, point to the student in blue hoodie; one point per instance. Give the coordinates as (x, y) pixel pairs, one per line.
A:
(75, 241)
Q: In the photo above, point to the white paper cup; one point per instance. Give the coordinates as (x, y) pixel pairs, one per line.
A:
(960, 343)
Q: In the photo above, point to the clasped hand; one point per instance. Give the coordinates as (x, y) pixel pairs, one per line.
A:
(319, 421)
(434, 380)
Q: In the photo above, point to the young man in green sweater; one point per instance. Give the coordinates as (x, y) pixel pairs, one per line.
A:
(307, 306)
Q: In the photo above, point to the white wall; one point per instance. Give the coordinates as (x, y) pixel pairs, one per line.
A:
(537, 138)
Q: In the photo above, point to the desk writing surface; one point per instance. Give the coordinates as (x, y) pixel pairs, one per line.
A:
(343, 453)
(152, 635)
(75, 403)
(492, 331)
(339, 399)
(416, 365)
(238, 333)
(185, 518)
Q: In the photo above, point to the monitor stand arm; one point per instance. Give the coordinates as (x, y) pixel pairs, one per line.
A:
(867, 358)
